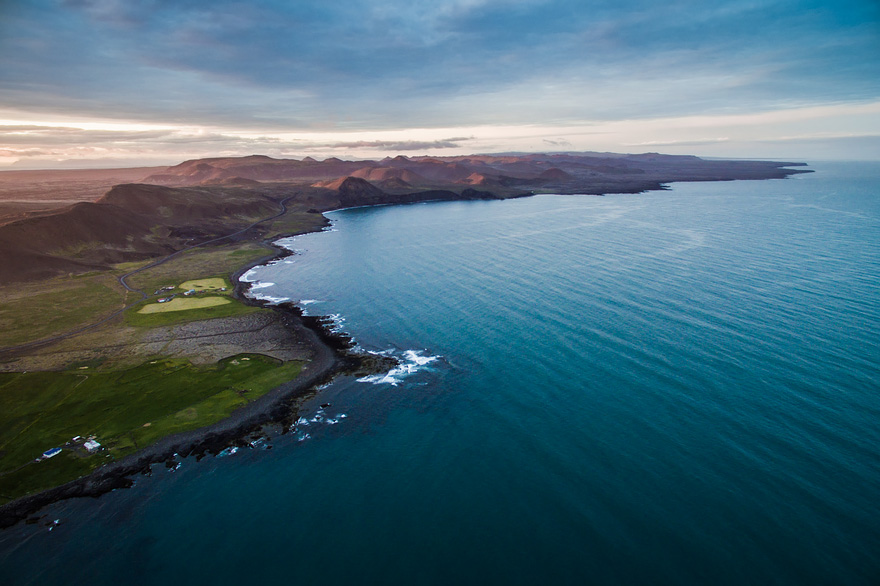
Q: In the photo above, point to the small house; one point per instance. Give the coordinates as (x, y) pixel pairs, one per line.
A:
(92, 446)
(51, 453)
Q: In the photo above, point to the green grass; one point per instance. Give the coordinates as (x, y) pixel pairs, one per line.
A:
(151, 320)
(212, 283)
(42, 410)
(220, 261)
(33, 311)
(296, 221)
(100, 396)
(184, 304)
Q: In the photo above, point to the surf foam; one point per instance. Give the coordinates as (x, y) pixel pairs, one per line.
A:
(249, 276)
(413, 361)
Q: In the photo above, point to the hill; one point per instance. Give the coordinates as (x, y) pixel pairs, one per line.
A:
(130, 222)
(27, 193)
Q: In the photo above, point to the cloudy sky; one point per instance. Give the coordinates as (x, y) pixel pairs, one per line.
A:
(119, 83)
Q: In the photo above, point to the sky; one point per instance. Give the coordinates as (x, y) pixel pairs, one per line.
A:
(114, 83)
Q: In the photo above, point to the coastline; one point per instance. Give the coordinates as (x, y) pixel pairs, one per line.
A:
(329, 358)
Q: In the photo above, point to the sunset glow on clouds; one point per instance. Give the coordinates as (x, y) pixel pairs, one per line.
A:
(115, 83)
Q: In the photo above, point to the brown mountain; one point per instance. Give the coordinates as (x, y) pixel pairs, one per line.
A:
(395, 184)
(130, 222)
(378, 174)
(255, 168)
(555, 174)
(575, 172)
(480, 179)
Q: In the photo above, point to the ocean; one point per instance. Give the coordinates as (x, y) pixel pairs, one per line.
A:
(676, 387)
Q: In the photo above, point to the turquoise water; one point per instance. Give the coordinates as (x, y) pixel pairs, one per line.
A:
(678, 387)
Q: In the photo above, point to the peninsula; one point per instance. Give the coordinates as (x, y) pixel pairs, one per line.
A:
(126, 337)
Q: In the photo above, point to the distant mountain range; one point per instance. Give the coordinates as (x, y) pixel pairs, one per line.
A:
(205, 198)
(570, 173)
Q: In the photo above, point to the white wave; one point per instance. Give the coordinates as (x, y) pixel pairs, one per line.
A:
(254, 293)
(286, 243)
(336, 321)
(415, 356)
(271, 299)
(249, 276)
(227, 452)
(302, 437)
(413, 361)
(304, 303)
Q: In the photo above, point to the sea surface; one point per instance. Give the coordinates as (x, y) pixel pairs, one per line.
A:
(678, 387)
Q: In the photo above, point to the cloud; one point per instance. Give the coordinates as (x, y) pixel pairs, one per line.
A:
(399, 145)
(184, 78)
(791, 133)
(61, 143)
(693, 142)
(370, 65)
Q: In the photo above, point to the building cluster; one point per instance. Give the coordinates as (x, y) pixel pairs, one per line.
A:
(90, 444)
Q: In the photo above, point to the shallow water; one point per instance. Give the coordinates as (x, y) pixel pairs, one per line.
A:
(670, 388)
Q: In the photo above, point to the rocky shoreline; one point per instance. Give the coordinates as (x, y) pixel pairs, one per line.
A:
(332, 355)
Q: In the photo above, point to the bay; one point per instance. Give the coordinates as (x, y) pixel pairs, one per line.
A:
(676, 387)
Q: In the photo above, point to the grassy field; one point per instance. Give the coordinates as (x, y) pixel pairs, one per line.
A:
(184, 304)
(31, 311)
(232, 307)
(197, 264)
(297, 221)
(112, 392)
(125, 409)
(209, 284)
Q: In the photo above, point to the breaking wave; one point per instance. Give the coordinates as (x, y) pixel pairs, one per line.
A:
(319, 418)
(413, 361)
(271, 299)
(249, 276)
